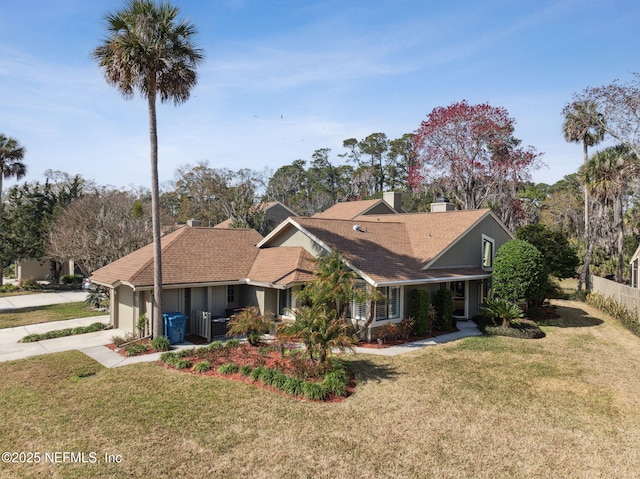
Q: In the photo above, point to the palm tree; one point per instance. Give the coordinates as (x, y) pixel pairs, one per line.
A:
(148, 50)
(606, 178)
(584, 124)
(11, 156)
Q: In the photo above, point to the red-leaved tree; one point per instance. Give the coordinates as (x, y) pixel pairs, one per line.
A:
(469, 153)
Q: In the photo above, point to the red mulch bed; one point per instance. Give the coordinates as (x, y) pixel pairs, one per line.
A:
(267, 356)
(123, 351)
(387, 343)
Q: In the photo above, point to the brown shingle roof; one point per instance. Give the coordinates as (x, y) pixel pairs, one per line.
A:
(189, 255)
(393, 247)
(348, 210)
(284, 265)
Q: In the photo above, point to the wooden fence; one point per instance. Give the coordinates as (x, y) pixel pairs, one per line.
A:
(203, 324)
(625, 295)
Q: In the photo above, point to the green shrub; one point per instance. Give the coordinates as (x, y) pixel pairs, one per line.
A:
(279, 380)
(267, 375)
(520, 273)
(293, 386)
(183, 353)
(8, 288)
(443, 305)
(31, 338)
(202, 367)
(256, 373)
(228, 368)
(29, 284)
(246, 369)
(502, 310)
(336, 382)
(232, 343)
(161, 343)
(419, 311)
(169, 358)
(314, 391)
(71, 279)
(135, 349)
(183, 364)
(215, 345)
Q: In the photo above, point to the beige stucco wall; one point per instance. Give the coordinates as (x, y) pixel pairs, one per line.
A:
(294, 237)
(123, 315)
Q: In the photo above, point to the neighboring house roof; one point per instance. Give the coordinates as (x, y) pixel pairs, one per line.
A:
(350, 209)
(190, 255)
(393, 248)
(273, 210)
(282, 266)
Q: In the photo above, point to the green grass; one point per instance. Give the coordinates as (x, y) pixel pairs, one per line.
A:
(43, 314)
(482, 407)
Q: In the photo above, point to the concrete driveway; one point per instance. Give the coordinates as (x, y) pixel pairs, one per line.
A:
(91, 344)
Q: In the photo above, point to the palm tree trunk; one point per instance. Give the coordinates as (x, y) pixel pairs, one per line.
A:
(157, 318)
(584, 274)
(619, 226)
(1, 210)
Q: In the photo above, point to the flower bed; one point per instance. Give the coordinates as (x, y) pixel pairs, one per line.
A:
(276, 368)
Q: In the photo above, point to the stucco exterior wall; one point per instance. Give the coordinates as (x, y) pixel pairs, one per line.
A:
(294, 237)
(124, 316)
(468, 250)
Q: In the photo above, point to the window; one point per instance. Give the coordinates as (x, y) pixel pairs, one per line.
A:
(358, 310)
(231, 294)
(388, 308)
(487, 252)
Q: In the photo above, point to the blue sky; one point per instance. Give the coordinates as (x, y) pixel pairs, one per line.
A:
(283, 78)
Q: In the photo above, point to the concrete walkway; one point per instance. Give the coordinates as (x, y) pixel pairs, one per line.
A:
(465, 329)
(94, 344)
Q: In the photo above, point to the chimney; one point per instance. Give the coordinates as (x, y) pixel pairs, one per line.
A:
(442, 204)
(393, 199)
(193, 222)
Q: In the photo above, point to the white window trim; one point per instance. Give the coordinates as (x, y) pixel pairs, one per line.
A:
(487, 239)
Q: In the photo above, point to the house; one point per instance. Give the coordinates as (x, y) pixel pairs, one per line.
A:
(274, 214)
(203, 269)
(215, 270)
(401, 252)
(390, 204)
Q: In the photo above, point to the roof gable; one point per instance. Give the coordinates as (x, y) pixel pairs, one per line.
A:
(350, 209)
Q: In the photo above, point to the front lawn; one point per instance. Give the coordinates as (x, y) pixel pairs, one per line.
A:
(43, 314)
(566, 405)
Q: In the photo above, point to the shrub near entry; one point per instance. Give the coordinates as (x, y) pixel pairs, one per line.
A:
(519, 273)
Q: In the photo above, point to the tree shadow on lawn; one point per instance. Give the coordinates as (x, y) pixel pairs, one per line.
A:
(366, 370)
(572, 317)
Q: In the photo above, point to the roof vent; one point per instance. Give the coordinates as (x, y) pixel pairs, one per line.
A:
(358, 228)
